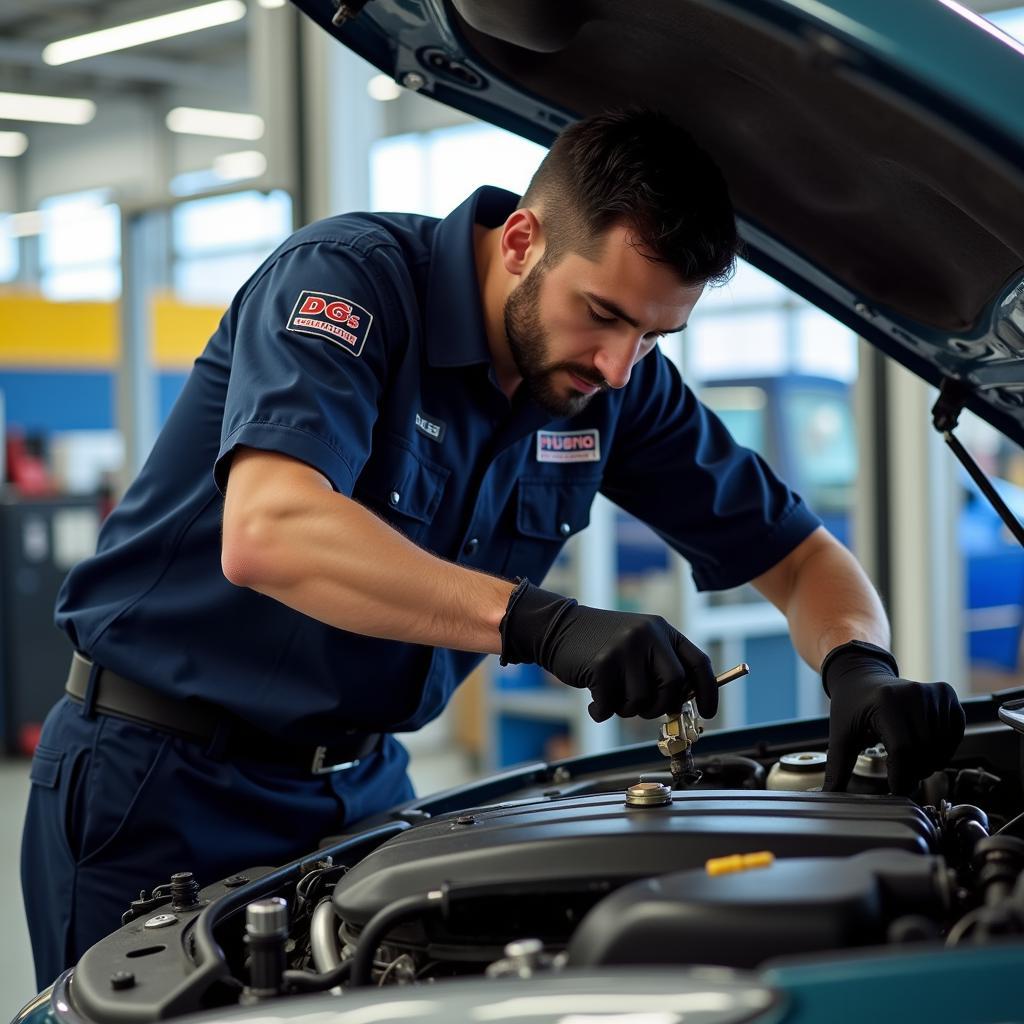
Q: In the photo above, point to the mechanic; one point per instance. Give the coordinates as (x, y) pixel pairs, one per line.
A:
(380, 452)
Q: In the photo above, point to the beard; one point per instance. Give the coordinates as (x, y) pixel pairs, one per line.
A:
(529, 343)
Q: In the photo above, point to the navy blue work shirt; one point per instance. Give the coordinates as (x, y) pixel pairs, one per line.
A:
(359, 348)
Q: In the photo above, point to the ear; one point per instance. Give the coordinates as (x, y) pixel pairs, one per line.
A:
(522, 241)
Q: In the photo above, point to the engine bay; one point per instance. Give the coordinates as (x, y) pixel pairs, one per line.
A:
(538, 868)
(597, 864)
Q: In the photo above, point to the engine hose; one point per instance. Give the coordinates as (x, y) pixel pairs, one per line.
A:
(295, 982)
(380, 924)
(999, 865)
(963, 826)
(970, 834)
(323, 937)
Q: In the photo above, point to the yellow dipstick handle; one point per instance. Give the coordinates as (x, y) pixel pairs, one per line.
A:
(739, 862)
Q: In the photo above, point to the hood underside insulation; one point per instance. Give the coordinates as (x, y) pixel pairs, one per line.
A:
(816, 152)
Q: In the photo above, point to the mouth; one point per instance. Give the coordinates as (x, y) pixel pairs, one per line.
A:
(582, 385)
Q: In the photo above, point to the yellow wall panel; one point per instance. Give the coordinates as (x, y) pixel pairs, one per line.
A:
(35, 332)
(38, 333)
(180, 332)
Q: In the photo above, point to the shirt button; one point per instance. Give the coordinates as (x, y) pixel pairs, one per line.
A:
(565, 529)
(395, 497)
(471, 545)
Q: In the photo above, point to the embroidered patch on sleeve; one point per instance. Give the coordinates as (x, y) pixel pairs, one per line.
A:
(330, 316)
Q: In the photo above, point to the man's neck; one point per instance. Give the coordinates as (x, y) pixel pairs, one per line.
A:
(492, 282)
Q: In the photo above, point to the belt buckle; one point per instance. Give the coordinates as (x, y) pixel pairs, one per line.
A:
(320, 768)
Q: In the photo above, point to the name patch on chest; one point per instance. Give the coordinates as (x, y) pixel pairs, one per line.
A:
(569, 445)
(330, 316)
(430, 426)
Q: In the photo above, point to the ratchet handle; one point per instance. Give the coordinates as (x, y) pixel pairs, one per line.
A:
(736, 672)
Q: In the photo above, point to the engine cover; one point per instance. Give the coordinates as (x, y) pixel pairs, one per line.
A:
(795, 906)
(536, 867)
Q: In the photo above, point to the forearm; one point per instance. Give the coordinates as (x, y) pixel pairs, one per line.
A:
(334, 560)
(833, 602)
(826, 597)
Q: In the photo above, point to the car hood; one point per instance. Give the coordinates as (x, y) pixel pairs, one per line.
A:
(875, 150)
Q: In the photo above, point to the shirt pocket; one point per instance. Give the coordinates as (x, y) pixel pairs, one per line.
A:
(548, 513)
(403, 486)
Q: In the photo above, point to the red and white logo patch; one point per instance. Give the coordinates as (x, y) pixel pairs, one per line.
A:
(330, 316)
(569, 445)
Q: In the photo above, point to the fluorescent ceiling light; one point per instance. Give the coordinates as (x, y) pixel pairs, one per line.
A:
(149, 30)
(58, 211)
(13, 143)
(17, 106)
(273, 3)
(249, 163)
(383, 87)
(221, 124)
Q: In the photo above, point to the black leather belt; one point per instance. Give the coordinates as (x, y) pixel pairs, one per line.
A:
(200, 722)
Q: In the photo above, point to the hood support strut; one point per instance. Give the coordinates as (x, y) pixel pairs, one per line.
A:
(945, 415)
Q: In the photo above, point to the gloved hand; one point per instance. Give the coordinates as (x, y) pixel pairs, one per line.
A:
(632, 664)
(921, 724)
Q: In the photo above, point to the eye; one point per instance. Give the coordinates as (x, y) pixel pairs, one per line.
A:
(600, 319)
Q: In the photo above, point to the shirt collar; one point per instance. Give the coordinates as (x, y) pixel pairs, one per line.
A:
(455, 331)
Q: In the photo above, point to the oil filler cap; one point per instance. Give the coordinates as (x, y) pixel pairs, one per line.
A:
(648, 794)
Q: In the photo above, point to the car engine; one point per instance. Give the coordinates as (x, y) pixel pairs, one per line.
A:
(587, 874)
(593, 864)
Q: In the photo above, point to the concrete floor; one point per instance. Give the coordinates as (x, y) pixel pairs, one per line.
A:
(434, 766)
(17, 978)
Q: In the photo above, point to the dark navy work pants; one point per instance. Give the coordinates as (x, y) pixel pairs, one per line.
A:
(117, 807)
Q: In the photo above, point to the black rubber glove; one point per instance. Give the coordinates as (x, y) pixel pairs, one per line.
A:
(921, 724)
(632, 664)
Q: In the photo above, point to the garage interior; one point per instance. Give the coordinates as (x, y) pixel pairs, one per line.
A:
(131, 215)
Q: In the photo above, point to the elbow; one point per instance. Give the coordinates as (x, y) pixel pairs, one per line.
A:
(248, 551)
(236, 564)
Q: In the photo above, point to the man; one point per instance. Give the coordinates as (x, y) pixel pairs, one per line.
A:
(395, 417)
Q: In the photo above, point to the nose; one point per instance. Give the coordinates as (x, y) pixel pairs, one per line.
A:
(615, 361)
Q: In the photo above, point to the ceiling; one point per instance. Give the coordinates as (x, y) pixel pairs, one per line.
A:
(26, 26)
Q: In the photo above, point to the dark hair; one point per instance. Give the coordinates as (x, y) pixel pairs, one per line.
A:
(637, 166)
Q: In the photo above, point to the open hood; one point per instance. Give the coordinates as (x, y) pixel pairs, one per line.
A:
(874, 150)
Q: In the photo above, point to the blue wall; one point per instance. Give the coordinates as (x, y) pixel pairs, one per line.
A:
(40, 401)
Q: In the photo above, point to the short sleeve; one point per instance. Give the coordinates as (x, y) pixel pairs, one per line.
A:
(309, 360)
(675, 466)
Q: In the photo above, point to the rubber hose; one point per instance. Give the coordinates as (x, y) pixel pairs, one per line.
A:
(378, 927)
(323, 937)
(307, 981)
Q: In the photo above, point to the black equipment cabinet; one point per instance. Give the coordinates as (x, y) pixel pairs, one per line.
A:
(40, 539)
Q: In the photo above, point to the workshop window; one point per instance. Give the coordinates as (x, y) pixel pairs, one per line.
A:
(8, 251)
(433, 172)
(80, 246)
(754, 327)
(1011, 21)
(219, 241)
(780, 373)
